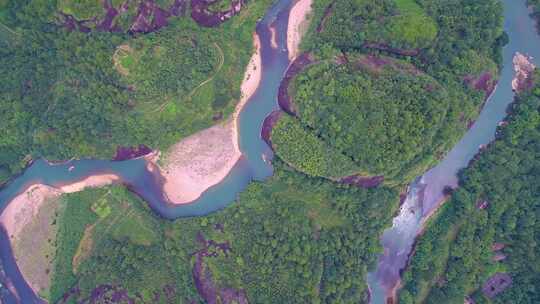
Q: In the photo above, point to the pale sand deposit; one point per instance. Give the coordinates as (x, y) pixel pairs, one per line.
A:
(298, 25)
(24, 207)
(273, 39)
(27, 220)
(202, 160)
(93, 181)
(523, 68)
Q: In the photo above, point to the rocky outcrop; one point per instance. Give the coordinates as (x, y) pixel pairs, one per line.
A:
(149, 17)
(202, 276)
(297, 66)
(125, 153)
(483, 82)
(268, 125)
(387, 48)
(201, 13)
(363, 181)
(523, 68)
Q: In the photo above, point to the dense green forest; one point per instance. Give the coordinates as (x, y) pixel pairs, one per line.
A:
(385, 119)
(535, 4)
(490, 224)
(68, 94)
(393, 106)
(394, 85)
(313, 157)
(291, 239)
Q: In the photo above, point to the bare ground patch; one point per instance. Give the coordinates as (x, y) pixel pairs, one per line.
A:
(121, 51)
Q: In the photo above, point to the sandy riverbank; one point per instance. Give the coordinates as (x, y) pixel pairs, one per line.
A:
(27, 220)
(25, 206)
(298, 25)
(273, 37)
(204, 159)
(93, 181)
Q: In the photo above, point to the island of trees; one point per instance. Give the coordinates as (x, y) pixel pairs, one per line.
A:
(389, 86)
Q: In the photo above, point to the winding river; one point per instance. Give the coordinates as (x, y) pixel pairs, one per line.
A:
(254, 164)
(426, 193)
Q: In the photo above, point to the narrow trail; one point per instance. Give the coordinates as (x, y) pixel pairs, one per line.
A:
(9, 29)
(190, 95)
(8, 35)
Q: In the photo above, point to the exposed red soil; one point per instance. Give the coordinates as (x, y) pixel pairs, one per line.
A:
(484, 82)
(327, 12)
(496, 284)
(203, 16)
(72, 24)
(377, 64)
(299, 64)
(202, 276)
(363, 181)
(268, 125)
(385, 47)
(149, 17)
(125, 153)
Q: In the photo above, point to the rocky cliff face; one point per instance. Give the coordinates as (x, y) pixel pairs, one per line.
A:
(524, 68)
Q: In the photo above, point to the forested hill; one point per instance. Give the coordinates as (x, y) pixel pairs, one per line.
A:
(535, 4)
(70, 89)
(390, 85)
(483, 243)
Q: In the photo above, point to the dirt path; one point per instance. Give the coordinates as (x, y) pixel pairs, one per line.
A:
(220, 65)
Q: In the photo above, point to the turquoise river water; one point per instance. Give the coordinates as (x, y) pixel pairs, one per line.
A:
(426, 192)
(397, 241)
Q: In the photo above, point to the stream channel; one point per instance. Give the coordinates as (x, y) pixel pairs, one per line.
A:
(254, 164)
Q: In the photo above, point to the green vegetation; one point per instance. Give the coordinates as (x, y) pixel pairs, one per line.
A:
(411, 28)
(63, 98)
(81, 9)
(386, 119)
(497, 202)
(220, 6)
(399, 24)
(75, 217)
(365, 107)
(299, 147)
(157, 65)
(393, 107)
(535, 4)
(86, 233)
(292, 238)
